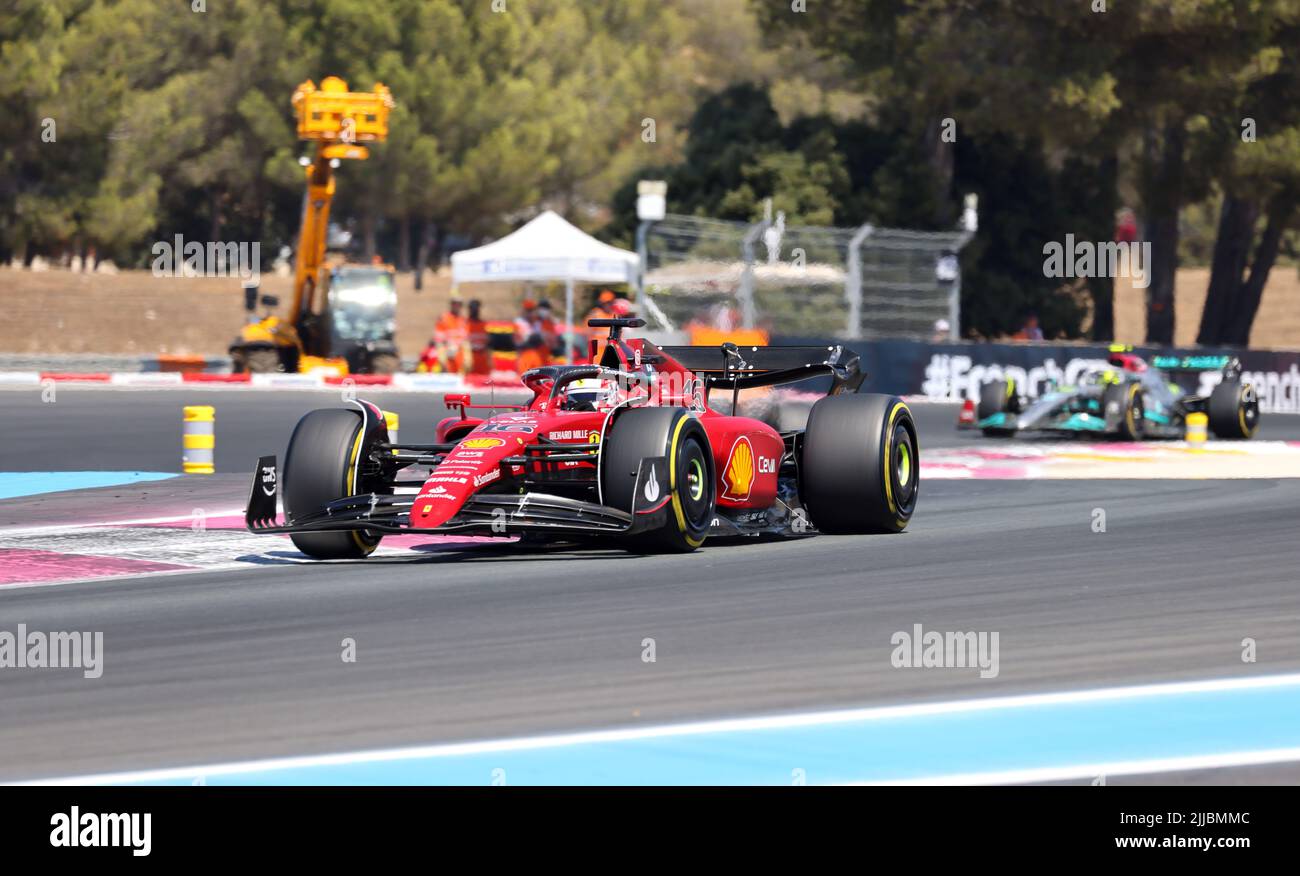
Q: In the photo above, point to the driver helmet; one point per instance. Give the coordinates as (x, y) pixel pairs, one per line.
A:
(594, 391)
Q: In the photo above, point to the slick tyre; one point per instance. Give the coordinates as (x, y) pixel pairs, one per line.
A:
(996, 397)
(690, 480)
(1234, 410)
(860, 466)
(320, 467)
(1130, 403)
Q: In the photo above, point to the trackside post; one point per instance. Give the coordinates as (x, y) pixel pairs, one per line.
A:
(198, 439)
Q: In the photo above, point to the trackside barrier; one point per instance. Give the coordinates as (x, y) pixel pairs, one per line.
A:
(198, 439)
(954, 372)
(301, 381)
(204, 377)
(146, 378)
(162, 380)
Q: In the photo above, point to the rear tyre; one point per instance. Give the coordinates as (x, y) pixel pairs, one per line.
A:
(320, 467)
(860, 466)
(996, 397)
(669, 432)
(1234, 410)
(1130, 402)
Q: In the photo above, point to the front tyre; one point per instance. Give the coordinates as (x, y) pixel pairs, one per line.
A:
(1130, 403)
(860, 467)
(639, 433)
(320, 467)
(1234, 410)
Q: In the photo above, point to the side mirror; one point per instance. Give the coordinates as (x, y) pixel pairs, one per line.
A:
(456, 400)
(270, 300)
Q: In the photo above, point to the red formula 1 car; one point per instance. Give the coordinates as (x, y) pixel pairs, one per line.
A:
(628, 448)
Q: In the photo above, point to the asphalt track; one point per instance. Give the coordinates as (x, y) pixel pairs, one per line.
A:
(126, 429)
(498, 641)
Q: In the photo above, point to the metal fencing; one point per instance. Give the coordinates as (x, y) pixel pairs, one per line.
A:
(861, 282)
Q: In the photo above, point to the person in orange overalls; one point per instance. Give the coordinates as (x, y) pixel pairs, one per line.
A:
(530, 338)
(450, 339)
(602, 310)
(480, 351)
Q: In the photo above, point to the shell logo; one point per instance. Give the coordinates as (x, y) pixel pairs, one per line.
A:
(738, 475)
(481, 443)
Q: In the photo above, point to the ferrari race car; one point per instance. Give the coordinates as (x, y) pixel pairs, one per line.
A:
(628, 448)
(1131, 400)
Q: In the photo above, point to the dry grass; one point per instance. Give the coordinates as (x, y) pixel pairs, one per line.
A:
(134, 312)
(1277, 325)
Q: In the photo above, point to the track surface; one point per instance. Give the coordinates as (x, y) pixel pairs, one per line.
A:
(94, 429)
(500, 642)
(219, 666)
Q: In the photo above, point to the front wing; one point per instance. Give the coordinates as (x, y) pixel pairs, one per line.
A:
(482, 514)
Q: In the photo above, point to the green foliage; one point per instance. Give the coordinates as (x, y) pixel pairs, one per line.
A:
(177, 121)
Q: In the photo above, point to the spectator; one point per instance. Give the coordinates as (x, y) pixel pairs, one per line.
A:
(450, 337)
(480, 351)
(1126, 227)
(1029, 329)
(603, 309)
(530, 336)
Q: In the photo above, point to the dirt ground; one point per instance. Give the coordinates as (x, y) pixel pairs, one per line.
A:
(135, 313)
(1277, 325)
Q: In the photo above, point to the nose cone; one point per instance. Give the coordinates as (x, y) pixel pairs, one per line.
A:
(475, 463)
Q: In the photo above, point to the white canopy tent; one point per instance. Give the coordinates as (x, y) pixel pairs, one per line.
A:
(547, 249)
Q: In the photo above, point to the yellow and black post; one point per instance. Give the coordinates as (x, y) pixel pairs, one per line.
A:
(199, 439)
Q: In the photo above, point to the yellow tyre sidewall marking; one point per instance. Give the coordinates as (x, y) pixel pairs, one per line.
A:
(350, 487)
(1241, 411)
(889, 463)
(672, 484)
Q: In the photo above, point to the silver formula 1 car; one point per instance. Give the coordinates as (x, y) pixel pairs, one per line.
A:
(1132, 400)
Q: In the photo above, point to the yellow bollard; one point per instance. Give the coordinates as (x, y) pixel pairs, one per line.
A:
(390, 420)
(198, 439)
(1196, 429)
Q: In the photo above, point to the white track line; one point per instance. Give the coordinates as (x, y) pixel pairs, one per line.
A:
(808, 719)
(1113, 768)
(145, 521)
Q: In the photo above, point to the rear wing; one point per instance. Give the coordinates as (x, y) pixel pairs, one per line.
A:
(734, 367)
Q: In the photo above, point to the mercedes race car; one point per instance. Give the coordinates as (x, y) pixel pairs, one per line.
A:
(628, 449)
(1131, 399)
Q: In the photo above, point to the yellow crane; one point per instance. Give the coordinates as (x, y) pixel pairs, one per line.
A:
(342, 316)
